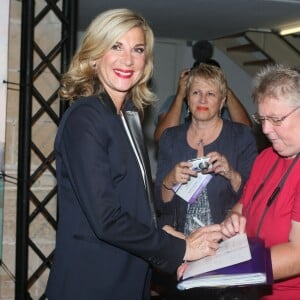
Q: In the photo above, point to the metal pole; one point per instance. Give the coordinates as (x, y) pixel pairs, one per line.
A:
(25, 107)
(69, 33)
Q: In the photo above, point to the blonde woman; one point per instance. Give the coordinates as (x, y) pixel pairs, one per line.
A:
(231, 150)
(106, 235)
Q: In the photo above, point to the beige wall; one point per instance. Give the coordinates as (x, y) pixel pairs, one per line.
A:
(9, 217)
(47, 34)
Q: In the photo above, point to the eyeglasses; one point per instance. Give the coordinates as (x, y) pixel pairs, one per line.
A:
(276, 121)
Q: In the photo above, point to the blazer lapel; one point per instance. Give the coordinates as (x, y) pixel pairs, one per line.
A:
(134, 124)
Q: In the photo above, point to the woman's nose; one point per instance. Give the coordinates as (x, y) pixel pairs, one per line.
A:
(202, 98)
(127, 58)
(267, 126)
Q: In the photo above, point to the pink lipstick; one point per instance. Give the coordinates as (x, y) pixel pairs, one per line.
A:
(202, 108)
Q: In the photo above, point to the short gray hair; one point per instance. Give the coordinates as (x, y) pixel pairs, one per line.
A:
(277, 81)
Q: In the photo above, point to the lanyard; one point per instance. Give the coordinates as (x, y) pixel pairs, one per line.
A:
(275, 192)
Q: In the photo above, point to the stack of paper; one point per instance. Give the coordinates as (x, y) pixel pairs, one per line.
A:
(189, 191)
(236, 263)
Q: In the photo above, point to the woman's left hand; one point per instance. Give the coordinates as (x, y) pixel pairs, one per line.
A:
(220, 164)
(181, 270)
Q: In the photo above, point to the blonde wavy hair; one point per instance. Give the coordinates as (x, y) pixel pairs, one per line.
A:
(103, 32)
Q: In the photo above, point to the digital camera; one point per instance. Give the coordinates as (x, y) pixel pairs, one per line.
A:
(201, 164)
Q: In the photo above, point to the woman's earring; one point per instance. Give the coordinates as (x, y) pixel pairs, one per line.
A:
(188, 114)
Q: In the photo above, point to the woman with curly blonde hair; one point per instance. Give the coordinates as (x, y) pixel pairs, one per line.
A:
(81, 78)
(106, 236)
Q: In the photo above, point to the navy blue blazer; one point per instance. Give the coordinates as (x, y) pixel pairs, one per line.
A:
(105, 239)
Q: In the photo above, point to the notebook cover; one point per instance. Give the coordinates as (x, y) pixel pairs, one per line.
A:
(259, 263)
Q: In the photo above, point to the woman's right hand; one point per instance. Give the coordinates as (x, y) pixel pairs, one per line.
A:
(181, 173)
(233, 224)
(203, 242)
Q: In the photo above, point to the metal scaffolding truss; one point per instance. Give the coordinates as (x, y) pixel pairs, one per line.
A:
(42, 61)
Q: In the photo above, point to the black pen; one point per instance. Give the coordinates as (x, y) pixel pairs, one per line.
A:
(201, 224)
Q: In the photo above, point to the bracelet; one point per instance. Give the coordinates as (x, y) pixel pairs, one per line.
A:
(166, 187)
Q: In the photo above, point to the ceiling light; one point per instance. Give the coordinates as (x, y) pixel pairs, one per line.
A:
(290, 30)
(285, 1)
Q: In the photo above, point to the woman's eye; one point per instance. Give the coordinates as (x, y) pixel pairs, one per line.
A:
(139, 50)
(116, 47)
(275, 120)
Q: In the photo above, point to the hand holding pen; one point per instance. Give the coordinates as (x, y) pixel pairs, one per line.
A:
(203, 242)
